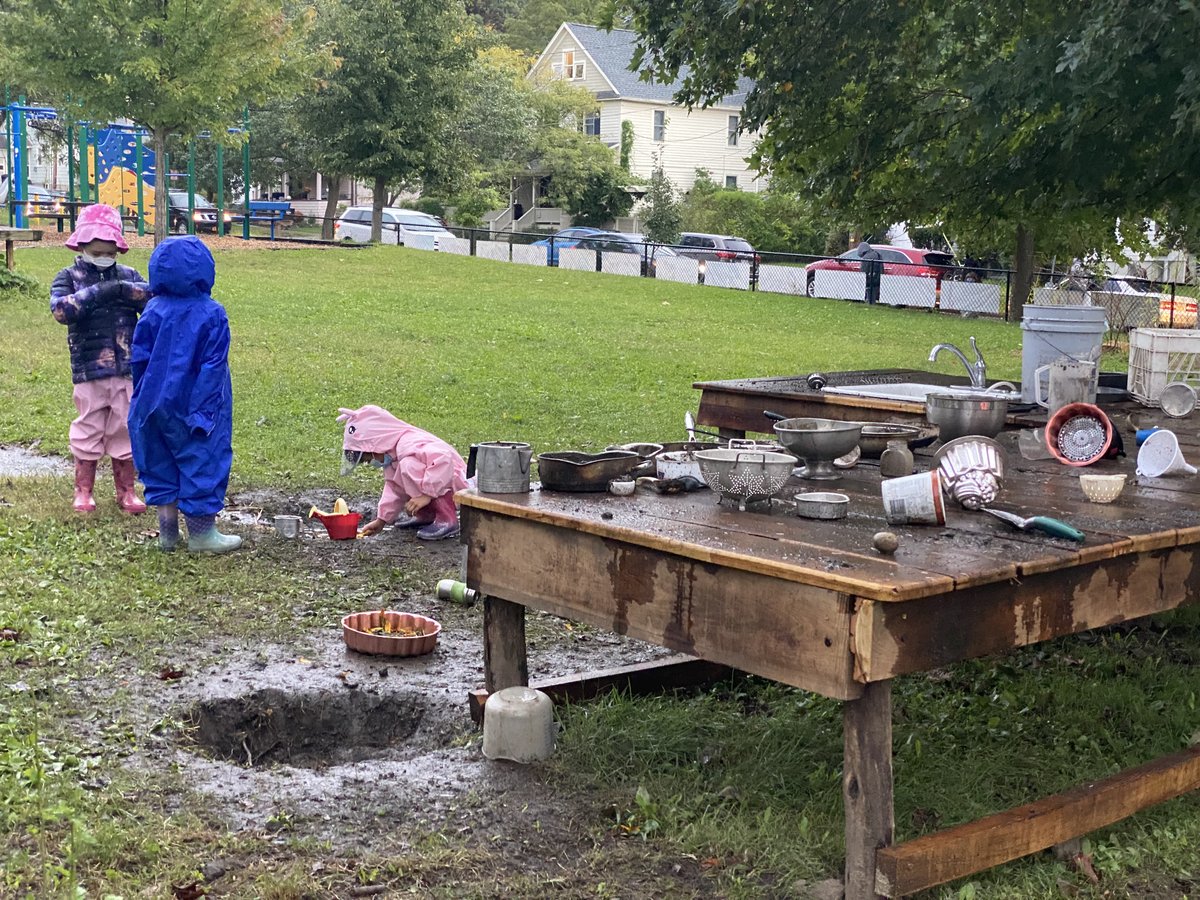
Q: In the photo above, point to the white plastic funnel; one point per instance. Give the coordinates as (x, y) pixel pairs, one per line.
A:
(1160, 455)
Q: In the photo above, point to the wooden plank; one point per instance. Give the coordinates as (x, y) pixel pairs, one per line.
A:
(504, 661)
(638, 679)
(965, 849)
(867, 786)
(891, 639)
(793, 633)
(20, 234)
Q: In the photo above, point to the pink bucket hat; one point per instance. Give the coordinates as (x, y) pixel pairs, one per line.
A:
(97, 223)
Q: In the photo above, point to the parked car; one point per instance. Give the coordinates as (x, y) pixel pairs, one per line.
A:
(564, 239)
(398, 226)
(723, 247)
(44, 202)
(623, 242)
(204, 213)
(896, 261)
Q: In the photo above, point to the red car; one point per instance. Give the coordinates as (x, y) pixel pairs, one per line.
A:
(896, 261)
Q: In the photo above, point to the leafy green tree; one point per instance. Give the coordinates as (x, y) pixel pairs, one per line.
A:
(663, 216)
(989, 118)
(531, 28)
(388, 111)
(174, 66)
(584, 177)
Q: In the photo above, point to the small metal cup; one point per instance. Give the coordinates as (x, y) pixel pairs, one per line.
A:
(288, 526)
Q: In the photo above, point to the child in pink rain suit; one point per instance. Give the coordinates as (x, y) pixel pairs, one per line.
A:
(421, 472)
(99, 301)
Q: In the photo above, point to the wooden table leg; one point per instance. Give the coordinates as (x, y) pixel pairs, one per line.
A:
(504, 663)
(867, 785)
(8, 255)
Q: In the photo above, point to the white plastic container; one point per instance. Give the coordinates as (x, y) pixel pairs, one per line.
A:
(518, 724)
(1051, 333)
(1160, 356)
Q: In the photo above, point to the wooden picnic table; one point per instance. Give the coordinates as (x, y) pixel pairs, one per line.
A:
(11, 236)
(810, 604)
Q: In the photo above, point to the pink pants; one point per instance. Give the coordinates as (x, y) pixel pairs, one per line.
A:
(101, 428)
(407, 483)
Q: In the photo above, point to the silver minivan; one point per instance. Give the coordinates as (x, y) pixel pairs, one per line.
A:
(399, 226)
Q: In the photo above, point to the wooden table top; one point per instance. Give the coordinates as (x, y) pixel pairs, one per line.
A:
(972, 549)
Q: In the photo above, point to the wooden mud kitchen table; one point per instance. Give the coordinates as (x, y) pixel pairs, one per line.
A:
(809, 603)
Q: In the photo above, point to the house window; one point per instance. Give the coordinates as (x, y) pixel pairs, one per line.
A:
(591, 123)
(569, 68)
(660, 125)
(733, 131)
(731, 182)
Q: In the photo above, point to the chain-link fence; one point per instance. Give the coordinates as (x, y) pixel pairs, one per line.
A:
(907, 278)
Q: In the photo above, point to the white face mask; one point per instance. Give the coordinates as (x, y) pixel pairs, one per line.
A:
(100, 262)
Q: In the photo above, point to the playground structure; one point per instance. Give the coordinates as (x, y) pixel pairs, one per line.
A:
(114, 165)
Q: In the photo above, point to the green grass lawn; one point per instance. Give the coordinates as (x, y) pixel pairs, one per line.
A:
(745, 778)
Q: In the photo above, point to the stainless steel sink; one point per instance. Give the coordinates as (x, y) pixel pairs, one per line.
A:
(913, 392)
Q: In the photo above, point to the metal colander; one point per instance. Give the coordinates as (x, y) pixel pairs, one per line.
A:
(745, 476)
(1081, 438)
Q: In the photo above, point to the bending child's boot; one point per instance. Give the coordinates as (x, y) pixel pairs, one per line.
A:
(85, 480)
(127, 497)
(445, 520)
(168, 527)
(203, 536)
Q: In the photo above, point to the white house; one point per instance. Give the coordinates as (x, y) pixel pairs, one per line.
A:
(682, 141)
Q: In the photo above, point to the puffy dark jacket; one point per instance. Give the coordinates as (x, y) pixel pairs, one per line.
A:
(100, 308)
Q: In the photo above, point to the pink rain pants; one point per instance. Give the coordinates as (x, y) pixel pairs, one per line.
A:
(102, 426)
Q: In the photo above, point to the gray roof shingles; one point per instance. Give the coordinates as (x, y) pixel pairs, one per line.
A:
(613, 52)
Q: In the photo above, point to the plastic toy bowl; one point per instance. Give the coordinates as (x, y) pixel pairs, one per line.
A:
(1079, 434)
(1102, 488)
(385, 632)
(343, 527)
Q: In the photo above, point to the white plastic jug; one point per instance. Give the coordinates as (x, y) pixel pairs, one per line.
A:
(518, 724)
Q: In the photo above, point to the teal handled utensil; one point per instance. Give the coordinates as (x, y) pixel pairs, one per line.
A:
(1052, 527)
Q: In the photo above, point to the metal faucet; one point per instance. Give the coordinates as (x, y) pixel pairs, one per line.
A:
(977, 370)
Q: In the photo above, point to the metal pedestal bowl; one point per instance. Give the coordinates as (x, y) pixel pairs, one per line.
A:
(819, 442)
(745, 476)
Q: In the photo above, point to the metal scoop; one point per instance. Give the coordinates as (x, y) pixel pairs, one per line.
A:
(1052, 527)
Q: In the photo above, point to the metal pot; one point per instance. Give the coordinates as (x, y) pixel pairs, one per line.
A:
(571, 470)
(502, 467)
(961, 413)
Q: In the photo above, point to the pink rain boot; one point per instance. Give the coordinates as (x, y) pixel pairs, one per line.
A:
(85, 480)
(445, 520)
(127, 498)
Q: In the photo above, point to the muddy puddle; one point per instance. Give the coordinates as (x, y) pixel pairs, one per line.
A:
(22, 462)
(334, 737)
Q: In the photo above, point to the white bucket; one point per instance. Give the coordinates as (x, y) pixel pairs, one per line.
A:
(1160, 455)
(518, 724)
(1051, 333)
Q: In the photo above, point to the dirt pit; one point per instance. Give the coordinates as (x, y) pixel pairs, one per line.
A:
(305, 730)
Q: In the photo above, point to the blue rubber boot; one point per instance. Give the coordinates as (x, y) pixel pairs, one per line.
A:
(203, 536)
(168, 527)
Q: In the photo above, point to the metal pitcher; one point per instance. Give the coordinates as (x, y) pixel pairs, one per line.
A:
(502, 467)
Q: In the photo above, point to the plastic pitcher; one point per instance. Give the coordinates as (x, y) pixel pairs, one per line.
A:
(1068, 381)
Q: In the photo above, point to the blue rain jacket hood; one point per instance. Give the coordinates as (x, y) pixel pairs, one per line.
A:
(181, 414)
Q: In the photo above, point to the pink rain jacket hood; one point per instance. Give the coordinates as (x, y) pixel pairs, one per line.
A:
(424, 462)
(97, 223)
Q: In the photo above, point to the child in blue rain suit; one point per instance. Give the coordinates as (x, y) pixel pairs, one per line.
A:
(181, 415)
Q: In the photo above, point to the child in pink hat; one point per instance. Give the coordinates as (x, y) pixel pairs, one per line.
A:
(421, 472)
(99, 301)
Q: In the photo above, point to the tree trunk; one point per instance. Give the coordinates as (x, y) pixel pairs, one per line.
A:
(1023, 275)
(855, 237)
(162, 184)
(380, 194)
(331, 202)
